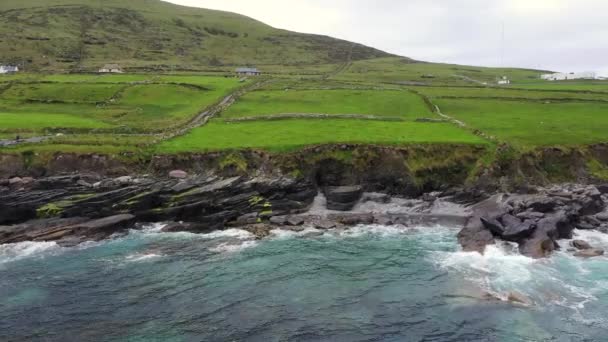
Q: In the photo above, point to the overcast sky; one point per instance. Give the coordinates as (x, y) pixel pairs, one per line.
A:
(561, 35)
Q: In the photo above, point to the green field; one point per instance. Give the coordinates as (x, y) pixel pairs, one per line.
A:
(284, 135)
(15, 121)
(509, 93)
(120, 102)
(530, 124)
(405, 71)
(389, 104)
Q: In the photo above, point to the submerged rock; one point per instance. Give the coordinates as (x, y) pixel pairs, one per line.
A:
(589, 253)
(580, 244)
(518, 298)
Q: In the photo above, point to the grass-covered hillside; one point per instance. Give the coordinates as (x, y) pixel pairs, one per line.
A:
(314, 91)
(60, 35)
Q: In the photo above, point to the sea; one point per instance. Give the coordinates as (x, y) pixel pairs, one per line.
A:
(367, 283)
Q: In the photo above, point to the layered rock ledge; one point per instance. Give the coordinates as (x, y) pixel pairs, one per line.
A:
(82, 207)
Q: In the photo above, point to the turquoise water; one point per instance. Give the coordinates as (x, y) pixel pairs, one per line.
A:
(370, 283)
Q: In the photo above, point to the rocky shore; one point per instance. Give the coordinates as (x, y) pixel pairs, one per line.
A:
(537, 221)
(75, 208)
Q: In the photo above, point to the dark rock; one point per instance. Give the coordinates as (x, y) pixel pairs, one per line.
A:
(592, 221)
(190, 227)
(516, 233)
(247, 219)
(278, 220)
(295, 221)
(537, 247)
(352, 219)
(580, 244)
(530, 215)
(589, 253)
(427, 197)
(603, 189)
(474, 237)
(510, 221)
(325, 224)
(543, 204)
(493, 226)
(342, 198)
(585, 226)
(557, 226)
(602, 217)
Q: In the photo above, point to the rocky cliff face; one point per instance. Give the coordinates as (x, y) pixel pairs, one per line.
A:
(74, 207)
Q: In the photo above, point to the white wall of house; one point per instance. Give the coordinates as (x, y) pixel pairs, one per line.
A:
(6, 69)
(560, 76)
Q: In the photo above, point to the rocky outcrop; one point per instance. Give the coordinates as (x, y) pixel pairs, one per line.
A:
(536, 222)
(342, 198)
(211, 202)
(67, 231)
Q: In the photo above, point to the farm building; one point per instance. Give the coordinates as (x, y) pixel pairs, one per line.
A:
(504, 80)
(8, 69)
(560, 76)
(111, 68)
(248, 72)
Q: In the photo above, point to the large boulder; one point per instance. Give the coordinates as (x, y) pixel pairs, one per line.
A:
(475, 236)
(342, 198)
(544, 239)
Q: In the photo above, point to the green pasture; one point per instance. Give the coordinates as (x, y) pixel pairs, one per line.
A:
(508, 93)
(37, 121)
(530, 124)
(406, 71)
(284, 135)
(391, 104)
(79, 101)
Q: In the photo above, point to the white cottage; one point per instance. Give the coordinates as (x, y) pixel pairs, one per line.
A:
(111, 68)
(8, 69)
(248, 72)
(504, 80)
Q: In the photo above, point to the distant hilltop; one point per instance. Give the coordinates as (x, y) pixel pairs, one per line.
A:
(155, 35)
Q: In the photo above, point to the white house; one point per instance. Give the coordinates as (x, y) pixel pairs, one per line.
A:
(561, 76)
(504, 80)
(8, 69)
(111, 68)
(248, 72)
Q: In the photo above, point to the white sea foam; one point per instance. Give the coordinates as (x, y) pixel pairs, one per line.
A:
(233, 247)
(561, 280)
(229, 233)
(139, 257)
(29, 249)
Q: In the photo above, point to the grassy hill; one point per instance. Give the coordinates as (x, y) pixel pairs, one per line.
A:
(68, 35)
